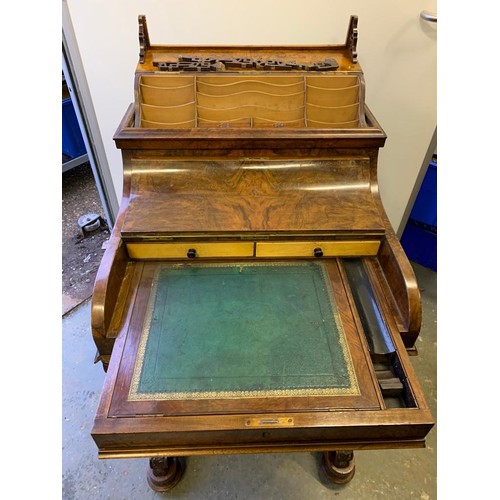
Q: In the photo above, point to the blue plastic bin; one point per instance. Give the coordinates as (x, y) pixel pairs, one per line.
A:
(419, 238)
(420, 245)
(425, 207)
(72, 140)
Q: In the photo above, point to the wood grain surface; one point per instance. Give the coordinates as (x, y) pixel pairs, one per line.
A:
(173, 196)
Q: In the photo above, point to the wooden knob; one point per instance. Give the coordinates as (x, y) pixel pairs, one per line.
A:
(191, 253)
(318, 252)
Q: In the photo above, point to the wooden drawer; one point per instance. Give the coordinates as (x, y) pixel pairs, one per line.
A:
(317, 248)
(180, 250)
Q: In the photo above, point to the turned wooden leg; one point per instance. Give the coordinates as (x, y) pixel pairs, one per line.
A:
(338, 466)
(164, 473)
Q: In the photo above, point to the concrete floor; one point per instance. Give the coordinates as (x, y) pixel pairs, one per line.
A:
(398, 474)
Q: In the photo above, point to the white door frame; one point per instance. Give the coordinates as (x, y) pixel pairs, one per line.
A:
(80, 95)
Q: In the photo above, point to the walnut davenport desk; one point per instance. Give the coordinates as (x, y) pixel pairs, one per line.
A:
(253, 296)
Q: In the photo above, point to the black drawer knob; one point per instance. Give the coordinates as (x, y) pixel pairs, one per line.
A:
(191, 253)
(318, 252)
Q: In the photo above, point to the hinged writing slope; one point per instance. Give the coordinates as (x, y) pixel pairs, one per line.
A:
(178, 357)
(264, 335)
(253, 296)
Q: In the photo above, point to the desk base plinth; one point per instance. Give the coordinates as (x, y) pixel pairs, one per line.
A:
(338, 466)
(164, 473)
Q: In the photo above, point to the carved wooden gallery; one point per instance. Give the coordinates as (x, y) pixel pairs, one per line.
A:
(253, 296)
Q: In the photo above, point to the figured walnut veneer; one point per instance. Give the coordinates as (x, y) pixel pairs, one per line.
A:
(251, 196)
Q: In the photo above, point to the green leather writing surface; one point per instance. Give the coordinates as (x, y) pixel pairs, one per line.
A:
(242, 330)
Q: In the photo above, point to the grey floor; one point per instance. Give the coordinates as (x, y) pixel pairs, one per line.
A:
(398, 474)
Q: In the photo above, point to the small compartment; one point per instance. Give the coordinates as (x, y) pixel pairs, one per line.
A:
(236, 123)
(332, 82)
(391, 376)
(285, 102)
(163, 96)
(332, 97)
(317, 124)
(225, 87)
(332, 102)
(168, 114)
(256, 112)
(186, 124)
(167, 81)
(393, 383)
(263, 122)
(251, 81)
(338, 114)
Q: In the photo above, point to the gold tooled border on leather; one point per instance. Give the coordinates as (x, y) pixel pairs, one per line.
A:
(135, 395)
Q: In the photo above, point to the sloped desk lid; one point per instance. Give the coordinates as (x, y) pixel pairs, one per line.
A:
(172, 197)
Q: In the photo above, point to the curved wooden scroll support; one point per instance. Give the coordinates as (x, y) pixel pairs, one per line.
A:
(108, 282)
(106, 288)
(164, 473)
(402, 288)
